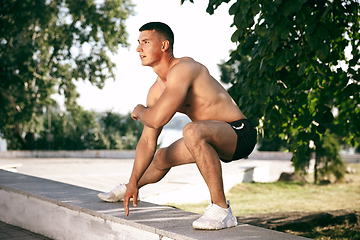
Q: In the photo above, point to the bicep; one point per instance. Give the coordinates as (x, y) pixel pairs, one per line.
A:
(171, 99)
(178, 83)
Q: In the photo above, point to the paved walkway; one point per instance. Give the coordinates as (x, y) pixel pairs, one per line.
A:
(9, 232)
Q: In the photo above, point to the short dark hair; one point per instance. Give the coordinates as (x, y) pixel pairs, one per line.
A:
(161, 28)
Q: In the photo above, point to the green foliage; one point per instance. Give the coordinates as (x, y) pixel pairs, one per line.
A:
(44, 46)
(286, 74)
(82, 129)
(76, 131)
(122, 132)
(328, 161)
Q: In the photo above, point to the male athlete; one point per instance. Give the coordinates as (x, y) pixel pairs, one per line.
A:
(219, 131)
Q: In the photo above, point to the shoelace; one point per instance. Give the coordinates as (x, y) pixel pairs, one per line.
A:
(208, 207)
(212, 211)
(118, 189)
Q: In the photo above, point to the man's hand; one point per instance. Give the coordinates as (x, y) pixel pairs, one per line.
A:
(135, 113)
(131, 192)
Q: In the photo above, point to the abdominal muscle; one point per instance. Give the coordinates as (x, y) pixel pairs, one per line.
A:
(219, 107)
(214, 113)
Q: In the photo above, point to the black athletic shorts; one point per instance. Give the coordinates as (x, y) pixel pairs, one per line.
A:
(247, 137)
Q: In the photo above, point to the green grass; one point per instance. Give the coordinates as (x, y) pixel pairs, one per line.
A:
(258, 198)
(247, 198)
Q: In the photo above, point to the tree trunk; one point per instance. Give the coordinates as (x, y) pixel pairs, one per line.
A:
(19, 137)
(316, 167)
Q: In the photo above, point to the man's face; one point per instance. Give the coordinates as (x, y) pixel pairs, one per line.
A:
(149, 48)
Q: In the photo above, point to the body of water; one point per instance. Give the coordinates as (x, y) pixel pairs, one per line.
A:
(168, 136)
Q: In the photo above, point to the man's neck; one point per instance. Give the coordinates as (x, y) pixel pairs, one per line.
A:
(163, 67)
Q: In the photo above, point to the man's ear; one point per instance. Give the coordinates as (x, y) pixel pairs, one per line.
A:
(165, 45)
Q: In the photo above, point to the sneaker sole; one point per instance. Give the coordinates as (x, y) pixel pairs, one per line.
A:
(112, 201)
(204, 228)
(109, 200)
(106, 200)
(209, 228)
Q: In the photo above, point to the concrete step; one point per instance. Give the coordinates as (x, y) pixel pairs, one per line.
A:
(9, 165)
(63, 211)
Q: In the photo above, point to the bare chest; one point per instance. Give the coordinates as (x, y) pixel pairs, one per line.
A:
(194, 106)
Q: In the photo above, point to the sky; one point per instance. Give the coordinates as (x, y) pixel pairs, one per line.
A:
(204, 37)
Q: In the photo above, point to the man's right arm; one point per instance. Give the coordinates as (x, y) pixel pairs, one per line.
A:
(147, 144)
(145, 151)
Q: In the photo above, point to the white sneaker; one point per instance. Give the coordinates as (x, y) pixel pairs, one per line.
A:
(115, 195)
(216, 217)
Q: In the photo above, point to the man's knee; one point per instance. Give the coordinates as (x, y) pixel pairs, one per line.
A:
(192, 134)
(160, 160)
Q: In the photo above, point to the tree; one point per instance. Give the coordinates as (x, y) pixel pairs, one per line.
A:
(79, 130)
(122, 132)
(290, 74)
(44, 46)
(82, 129)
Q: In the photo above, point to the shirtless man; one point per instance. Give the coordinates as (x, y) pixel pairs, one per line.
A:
(219, 131)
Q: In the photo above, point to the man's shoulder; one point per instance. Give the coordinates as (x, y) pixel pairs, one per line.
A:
(187, 60)
(185, 64)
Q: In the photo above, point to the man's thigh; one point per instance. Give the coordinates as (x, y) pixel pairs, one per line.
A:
(219, 135)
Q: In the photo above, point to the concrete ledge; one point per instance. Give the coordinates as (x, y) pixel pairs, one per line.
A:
(354, 158)
(65, 221)
(123, 154)
(63, 211)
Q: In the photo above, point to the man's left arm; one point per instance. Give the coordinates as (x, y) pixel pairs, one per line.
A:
(178, 83)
